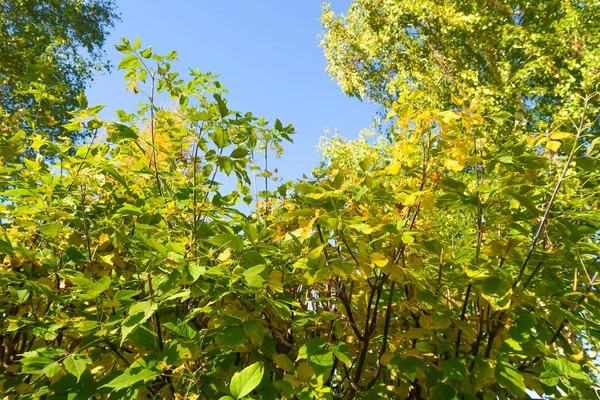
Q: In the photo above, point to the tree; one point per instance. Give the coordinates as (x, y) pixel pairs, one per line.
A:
(525, 61)
(451, 263)
(48, 52)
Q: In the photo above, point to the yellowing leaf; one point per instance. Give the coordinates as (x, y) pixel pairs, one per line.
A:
(304, 372)
(386, 358)
(453, 165)
(434, 322)
(560, 135)
(394, 168)
(224, 256)
(553, 145)
(379, 260)
(284, 363)
(427, 201)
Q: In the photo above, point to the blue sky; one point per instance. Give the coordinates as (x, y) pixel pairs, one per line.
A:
(266, 53)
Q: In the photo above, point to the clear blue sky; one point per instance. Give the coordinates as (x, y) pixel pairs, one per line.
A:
(266, 53)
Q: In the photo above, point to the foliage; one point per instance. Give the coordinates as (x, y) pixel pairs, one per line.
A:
(42, 62)
(525, 61)
(458, 261)
(368, 147)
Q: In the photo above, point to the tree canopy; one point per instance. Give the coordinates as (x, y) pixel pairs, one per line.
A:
(48, 52)
(524, 61)
(457, 261)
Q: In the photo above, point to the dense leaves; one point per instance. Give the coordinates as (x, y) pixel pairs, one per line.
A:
(457, 262)
(49, 49)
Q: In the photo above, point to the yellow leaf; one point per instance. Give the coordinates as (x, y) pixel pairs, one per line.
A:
(456, 100)
(560, 135)
(224, 256)
(553, 145)
(434, 322)
(394, 168)
(386, 358)
(304, 372)
(308, 228)
(427, 201)
(379, 260)
(104, 238)
(577, 357)
(453, 165)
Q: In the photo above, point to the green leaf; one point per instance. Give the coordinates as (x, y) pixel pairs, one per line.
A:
(251, 232)
(130, 61)
(129, 209)
(255, 331)
(123, 48)
(239, 153)
(284, 363)
(5, 245)
(509, 378)
(76, 364)
(138, 314)
(561, 370)
(73, 126)
(220, 137)
(227, 240)
(140, 371)
(52, 229)
(497, 291)
(230, 336)
(454, 368)
(122, 132)
(247, 380)
(443, 392)
(342, 352)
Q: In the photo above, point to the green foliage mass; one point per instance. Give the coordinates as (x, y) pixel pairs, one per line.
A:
(459, 261)
(49, 50)
(525, 61)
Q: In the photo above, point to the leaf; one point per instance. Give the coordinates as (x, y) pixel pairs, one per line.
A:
(129, 209)
(497, 291)
(140, 371)
(229, 240)
(342, 352)
(510, 379)
(454, 368)
(443, 392)
(560, 135)
(239, 153)
(130, 61)
(76, 364)
(255, 331)
(122, 132)
(553, 145)
(379, 260)
(138, 314)
(230, 336)
(409, 366)
(52, 229)
(220, 137)
(147, 53)
(247, 380)
(284, 363)
(561, 370)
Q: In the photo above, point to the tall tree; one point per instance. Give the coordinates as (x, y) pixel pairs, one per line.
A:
(49, 50)
(524, 60)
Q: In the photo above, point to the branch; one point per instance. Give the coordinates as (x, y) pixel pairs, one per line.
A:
(544, 219)
(556, 335)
